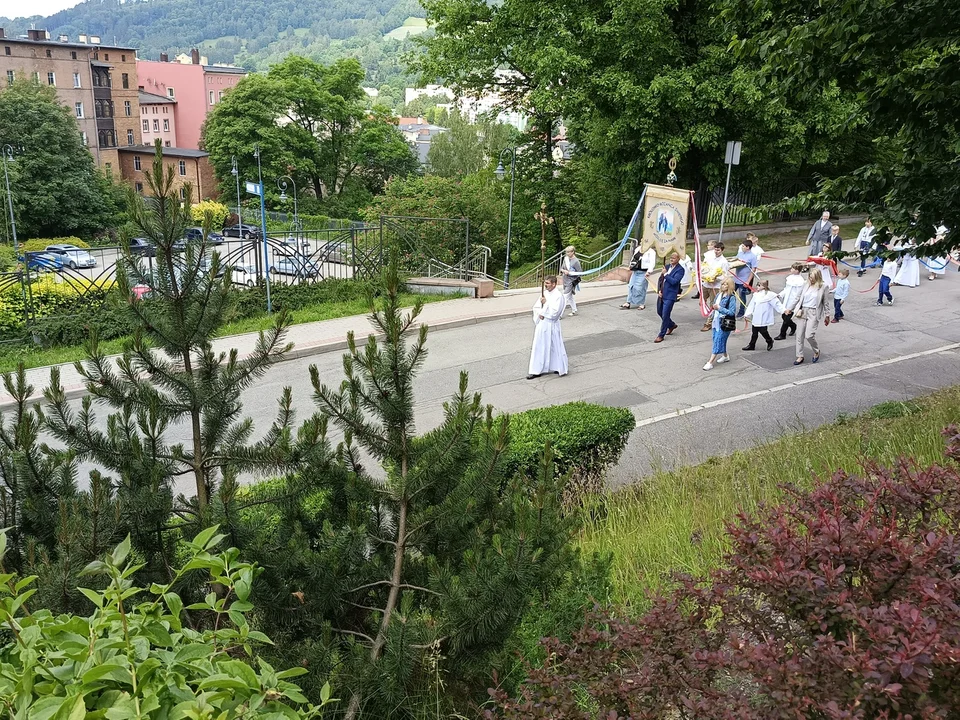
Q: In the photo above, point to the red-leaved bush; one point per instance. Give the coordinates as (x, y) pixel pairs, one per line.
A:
(841, 602)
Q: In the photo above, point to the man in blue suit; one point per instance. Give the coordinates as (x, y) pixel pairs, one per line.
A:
(668, 290)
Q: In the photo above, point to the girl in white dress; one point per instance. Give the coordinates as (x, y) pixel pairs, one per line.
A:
(909, 273)
(937, 265)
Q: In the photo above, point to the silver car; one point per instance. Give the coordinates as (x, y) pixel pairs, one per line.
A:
(72, 256)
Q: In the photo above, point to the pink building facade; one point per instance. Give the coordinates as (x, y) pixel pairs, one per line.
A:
(194, 87)
(158, 118)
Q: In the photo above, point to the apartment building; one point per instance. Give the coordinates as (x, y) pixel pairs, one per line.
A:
(158, 119)
(98, 82)
(189, 166)
(195, 86)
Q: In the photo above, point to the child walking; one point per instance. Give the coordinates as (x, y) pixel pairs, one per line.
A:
(887, 275)
(761, 312)
(788, 297)
(840, 293)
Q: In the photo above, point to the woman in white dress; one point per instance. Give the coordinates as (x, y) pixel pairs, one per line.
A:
(937, 265)
(909, 273)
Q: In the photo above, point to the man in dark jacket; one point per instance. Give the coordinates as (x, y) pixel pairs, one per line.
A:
(668, 290)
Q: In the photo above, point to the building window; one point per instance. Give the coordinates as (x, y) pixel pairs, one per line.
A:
(143, 109)
(10, 77)
(76, 80)
(146, 126)
(164, 109)
(130, 138)
(167, 143)
(73, 54)
(154, 109)
(6, 50)
(166, 126)
(49, 54)
(123, 58)
(220, 96)
(125, 80)
(108, 170)
(106, 56)
(52, 79)
(170, 92)
(156, 126)
(183, 193)
(83, 138)
(78, 108)
(183, 167)
(127, 109)
(36, 78)
(96, 56)
(139, 187)
(136, 162)
(107, 138)
(211, 97)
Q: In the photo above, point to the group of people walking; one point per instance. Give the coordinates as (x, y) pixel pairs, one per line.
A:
(731, 289)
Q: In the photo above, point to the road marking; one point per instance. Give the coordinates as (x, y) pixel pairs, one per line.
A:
(779, 388)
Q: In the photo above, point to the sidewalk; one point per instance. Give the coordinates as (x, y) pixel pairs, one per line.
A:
(331, 335)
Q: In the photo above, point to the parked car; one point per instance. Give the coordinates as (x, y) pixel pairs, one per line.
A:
(195, 233)
(335, 252)
(44, 261)
(142, 247)
(295, 265)
(245, 275)
(242, 231)
(72, 256)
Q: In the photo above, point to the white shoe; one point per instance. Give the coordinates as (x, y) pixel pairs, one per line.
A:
(708, 366)
(725, 358)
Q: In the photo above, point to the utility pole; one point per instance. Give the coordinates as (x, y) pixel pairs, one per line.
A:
(732, 158)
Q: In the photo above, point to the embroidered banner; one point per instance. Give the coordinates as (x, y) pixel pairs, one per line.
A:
(665, 220)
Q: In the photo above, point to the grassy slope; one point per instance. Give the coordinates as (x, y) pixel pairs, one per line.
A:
(31, 357)
(674, 521)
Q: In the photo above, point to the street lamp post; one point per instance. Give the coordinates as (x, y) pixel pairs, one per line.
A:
(7, 154)
(282, 185)
(499, 172)
(263, 226)
(236, 175)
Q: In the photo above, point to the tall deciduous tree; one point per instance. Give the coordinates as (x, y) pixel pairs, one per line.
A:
(468, 147)
(901, 62)
(56, 189)
(311, 123)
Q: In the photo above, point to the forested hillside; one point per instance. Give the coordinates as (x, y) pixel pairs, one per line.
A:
(252, 33)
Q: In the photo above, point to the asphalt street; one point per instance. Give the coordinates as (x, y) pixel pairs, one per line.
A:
(684, 414)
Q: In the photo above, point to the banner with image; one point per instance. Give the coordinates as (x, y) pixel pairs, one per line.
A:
(665, 220)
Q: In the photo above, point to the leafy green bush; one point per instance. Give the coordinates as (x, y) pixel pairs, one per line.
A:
(8, 258)
(585, 439)
(250, 302)
(58, 302)
(218, 213)
(40, 244)
(140, 652)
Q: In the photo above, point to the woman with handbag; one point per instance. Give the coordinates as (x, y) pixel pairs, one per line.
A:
(724, 322)
(641, 265)
(809, 311)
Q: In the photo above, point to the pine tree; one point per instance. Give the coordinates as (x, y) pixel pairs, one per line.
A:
(405, 583)
(169, 373)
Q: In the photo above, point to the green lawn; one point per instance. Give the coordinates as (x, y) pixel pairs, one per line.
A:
(11, 355)
(773, 240)
(674, 521)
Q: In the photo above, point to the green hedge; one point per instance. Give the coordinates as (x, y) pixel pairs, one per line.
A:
(585, 439)
(40, 244)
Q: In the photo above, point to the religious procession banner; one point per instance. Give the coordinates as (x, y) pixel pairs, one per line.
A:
(665, 220)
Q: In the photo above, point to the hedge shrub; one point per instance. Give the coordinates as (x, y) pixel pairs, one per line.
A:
(8, 258)
(218, 213)
(585, 439)
(60, 303)
(40, 244)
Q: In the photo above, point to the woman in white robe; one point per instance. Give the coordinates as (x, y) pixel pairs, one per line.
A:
(937, 265)
(548, 354)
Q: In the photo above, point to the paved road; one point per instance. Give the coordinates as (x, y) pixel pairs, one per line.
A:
(684, 414)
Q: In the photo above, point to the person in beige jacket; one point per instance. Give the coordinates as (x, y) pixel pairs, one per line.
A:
(809, 310)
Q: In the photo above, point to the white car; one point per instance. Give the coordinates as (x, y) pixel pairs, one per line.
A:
(72, 256)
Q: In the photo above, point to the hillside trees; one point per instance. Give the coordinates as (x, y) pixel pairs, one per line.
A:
(57, 190)
(311, 123)
(468, 147)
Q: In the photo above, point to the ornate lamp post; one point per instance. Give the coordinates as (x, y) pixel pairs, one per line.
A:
(236, 176)
(7, 155)
(500, 172)
(282, 185)
(263, 226)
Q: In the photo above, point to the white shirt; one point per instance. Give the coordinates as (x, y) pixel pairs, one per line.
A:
(865, 236)
(648, 261)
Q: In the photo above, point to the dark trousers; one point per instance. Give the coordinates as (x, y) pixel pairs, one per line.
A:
(788, 324)
(664, 308)
(756, 332)
(837, 312)
(742, 292)
(885, 289)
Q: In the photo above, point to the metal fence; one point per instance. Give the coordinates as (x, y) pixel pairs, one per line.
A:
(751, 205)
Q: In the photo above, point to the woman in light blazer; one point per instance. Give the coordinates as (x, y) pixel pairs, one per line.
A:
(809, 311)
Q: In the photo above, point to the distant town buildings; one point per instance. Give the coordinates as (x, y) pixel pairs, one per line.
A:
(419, 134)
(470, 107)
(158, 119)
(195, 86)
(97, 82)
(189, 166)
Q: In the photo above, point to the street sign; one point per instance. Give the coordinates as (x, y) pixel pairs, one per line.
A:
(254, 188)
(733, 152)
